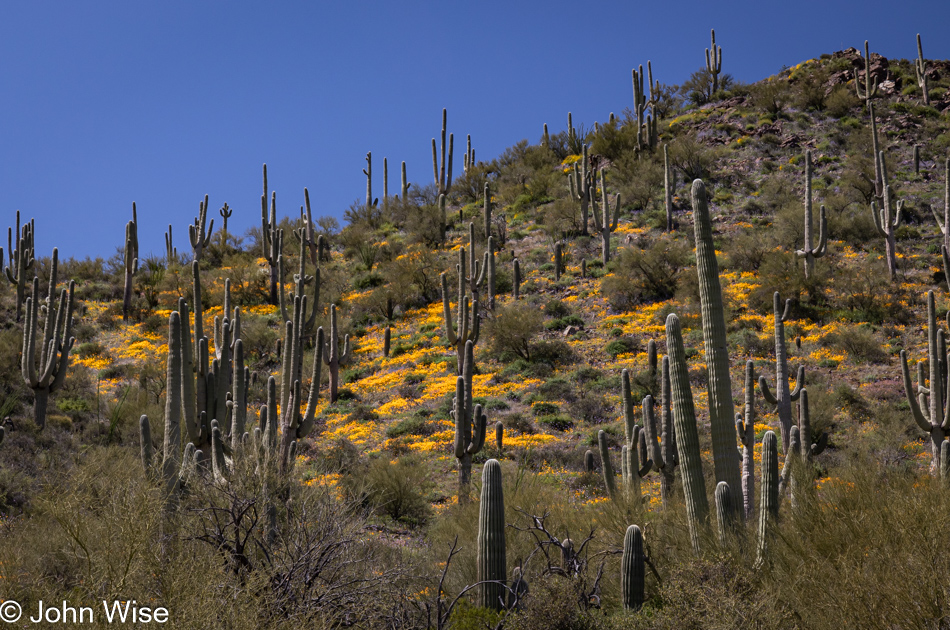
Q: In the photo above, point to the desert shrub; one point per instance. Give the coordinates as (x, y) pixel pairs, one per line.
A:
(642, 276)
(624, 345)
(518, 422)
(771, 95)
(398, 489)
(413, 425)
(841, 102)
(859, 342)
(691, 157)
(544, 409)
(510, 332)
(558, 422)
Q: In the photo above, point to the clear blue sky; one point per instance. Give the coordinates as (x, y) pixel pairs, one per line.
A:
(106, 103)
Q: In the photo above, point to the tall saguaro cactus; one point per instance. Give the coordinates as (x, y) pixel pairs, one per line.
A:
(225, 211)
(687, 434)
(467, 327)
(887, 220)
(870, 87)
(668, 184)
(943, 221)
(54, 345)
(604, 223)
(721, 408)
(21, 260)
(661, 443)
(443, 179)
(745, 428)
(470, 422)
(368, 171)
(714, 61)
(492, 564)
(929, 408)
(197, 234)
(810, 252)
(784, 397)
(272, 238)
(582, 185)
(920, 65)
(131, 261)
(333, 356)
(610, 483)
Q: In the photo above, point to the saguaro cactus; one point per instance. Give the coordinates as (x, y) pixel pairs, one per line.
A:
(725, 513)
(21, 255)
(197, 235)
(870, 87)
(886, 221)
(470, 422)
(225, 211)
(746, 431)
(171, 253)
(469, 161)
(714, 61)
(943, 222)
(486, 212)
(768, 504)
(467, 328)
(272, 238)
(581, 181)
(929, 406)
(687, 435)
(606, 467)
(921, 67)
(808, 252)
(668, 183)
(605, 224)
(333, 356)
(633, 569)
(443, 179)
(368, 171)
(131, 261)
(784, 396)
(491, 567)
(516, 282)
(721, 408)
(809, 449)
(54, 345)
(558, 261)
(662, 443)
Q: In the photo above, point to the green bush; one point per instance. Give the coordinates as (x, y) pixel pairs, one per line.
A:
(510, 332)
(646, 275)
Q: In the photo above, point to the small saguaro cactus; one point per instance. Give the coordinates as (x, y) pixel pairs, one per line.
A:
(443, 179)
(197, 235)
(21, 256)
(54, 345)
(916, 159)
(519, 588)
(333, 356)
(387, 337)
(225, 211)
(385, 184)
(809, 450)
(768, 504)
(929, 407)
(745, 428)
(499, 436)
(633, 569)
(921, 67)
(589, 461)
(491, 565)
(725, 513)
(516, 282)
(784, 396)
(470, 422)
(714, 61)
(870, 87)
(582, 185)
(606, 467)
(490, 272)
(131, 259)
(558, 264)
(721, 407)
(687, 434)
(810, 252)
(604, 223)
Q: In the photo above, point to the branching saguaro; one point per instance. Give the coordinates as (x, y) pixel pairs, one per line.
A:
(54, 343)
(443, 178)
